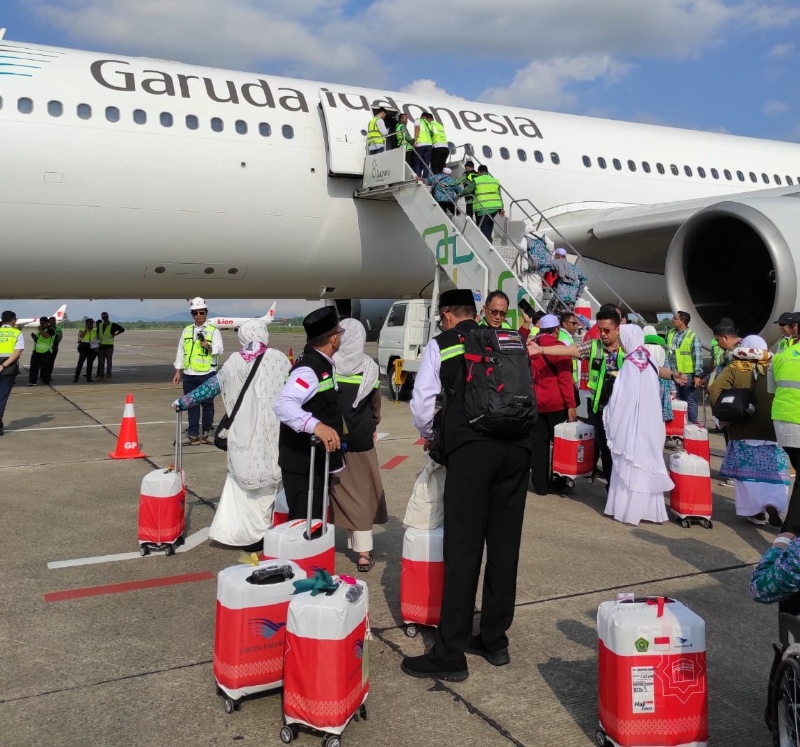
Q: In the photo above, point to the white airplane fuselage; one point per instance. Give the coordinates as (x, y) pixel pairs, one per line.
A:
(150, 207)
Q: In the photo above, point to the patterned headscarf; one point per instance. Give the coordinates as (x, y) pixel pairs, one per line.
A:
(254, 338)
(752, 348)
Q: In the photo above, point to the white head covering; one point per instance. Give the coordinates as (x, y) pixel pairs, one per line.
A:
(752, 348)
(633, 421)
(657, 353)
(254, 338)
(350, 358)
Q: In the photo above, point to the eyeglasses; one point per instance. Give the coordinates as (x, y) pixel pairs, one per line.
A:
(605, 330)
(570, 321)
(498, 312)
(199, 312)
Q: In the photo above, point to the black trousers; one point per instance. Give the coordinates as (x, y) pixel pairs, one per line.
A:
(85, 354)
(41, 364)
(484, 505)
(792, 521)
(448, 207)
(105, 356)
(601, 450)
(439, 159)
(296, 487)
(541, 440)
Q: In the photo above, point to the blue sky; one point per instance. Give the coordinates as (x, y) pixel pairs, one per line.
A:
(723, 65)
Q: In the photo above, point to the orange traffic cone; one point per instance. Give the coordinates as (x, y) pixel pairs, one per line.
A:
(291, 357)
(128, 440)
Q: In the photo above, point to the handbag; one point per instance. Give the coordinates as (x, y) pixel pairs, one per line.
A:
(736, 405)
(12, 370)
(221, 433)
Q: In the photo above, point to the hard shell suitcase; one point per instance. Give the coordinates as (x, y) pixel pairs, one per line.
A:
(690, 499)
(162, 504)
(652, 674)
(326, 667)
(675, 426)
(695, 441)
(252, 602)
(308, 543)
(421, 578)
(573, 451)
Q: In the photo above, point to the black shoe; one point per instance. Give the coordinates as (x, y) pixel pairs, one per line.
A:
(773, 517)
(1, 429)
(75, 380)
(496, 658)
(424, 666)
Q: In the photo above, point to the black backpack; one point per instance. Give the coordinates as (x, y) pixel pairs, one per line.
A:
(736, 405)
(499, 399)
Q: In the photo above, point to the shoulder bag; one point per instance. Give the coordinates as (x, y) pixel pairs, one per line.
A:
(221, 433)
(736, 405)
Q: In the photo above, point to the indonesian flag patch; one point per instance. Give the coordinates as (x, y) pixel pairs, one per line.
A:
(301, 384)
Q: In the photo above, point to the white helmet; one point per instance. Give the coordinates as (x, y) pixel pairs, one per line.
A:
(197, 303)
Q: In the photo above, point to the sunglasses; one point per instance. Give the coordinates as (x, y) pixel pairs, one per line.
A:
(201, 312)
(498, 312)
(605, 330)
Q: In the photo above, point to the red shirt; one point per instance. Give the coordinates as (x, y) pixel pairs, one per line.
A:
(552, 378)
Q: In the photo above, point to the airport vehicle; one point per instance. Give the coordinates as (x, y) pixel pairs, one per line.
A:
(401, 341)
(176, 166)
(234, 322)
(60, 315)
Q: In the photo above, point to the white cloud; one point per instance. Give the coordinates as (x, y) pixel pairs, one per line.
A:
(780, 51)
(428, 87)
(774, 106)
(772, 15)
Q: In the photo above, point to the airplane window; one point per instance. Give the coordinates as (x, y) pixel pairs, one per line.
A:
(727, 174)
(241, 127)
(687, 170)
(587, 162)
(538, 157)
(469, 150)
(674, 169)
(701, 172)
(789, 180)
(25, 105)
(601, 162)
(660, 168)
(112, 114)
(139, 116)
(287, 131)
(617, 164)
(1, 102)
(645, 167)
(715, 173)
(487, 151)
(55, 108)
(753, 177)
(522, 155)
(192, 122)
(216, 124)
(84, 111)
(740, 176)
(504, 153)
(165, 119)
(555, 158)
(264, 129)
(777, 179)
(631, 165)
(765, 178)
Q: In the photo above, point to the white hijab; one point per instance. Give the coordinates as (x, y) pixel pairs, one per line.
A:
(633, 420)
(350, 358)
(657, 353)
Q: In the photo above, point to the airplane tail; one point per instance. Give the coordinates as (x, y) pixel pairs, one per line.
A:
(61, 314)
(270, 315)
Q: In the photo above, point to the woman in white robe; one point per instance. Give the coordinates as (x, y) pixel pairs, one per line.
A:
(245, 508)
(635, 431)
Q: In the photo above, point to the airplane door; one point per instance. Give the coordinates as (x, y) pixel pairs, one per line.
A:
(345, 144)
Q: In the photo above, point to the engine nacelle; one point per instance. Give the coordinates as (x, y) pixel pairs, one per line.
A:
(738, 259)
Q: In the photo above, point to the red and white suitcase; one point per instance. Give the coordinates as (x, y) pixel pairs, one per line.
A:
(326, 667)
(652, 674)
(162, 505)
(308, 543)
(421, 578)
(252, 603)
(573, 451)
(280, 514)
(695, 441)
(690, 499)
(678, 423)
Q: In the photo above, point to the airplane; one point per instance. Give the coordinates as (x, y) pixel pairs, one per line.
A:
(234, 322)
(171, 180)
(60, 315)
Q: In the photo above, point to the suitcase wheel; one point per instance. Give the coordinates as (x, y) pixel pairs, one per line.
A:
(231, 705)
(600, 737)
(685, 523)
(331, 740)
(570, 483)
(707, 523)
(411, 631)
(289, 733)
(363, 711)
(170, 550)
(144, 550)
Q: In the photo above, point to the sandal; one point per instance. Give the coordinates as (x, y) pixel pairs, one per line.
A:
(365, 562)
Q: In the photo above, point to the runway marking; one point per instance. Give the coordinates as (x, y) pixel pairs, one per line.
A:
(419, 442)
(381, 436)
(151, 583)
(191, 542)
(74, 427)
(394, 461)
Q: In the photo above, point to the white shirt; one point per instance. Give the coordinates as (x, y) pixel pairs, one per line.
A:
(216, 350)
(300, 387)
(427, 385)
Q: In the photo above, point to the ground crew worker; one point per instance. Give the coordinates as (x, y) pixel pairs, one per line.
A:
(59, 336)
(198, 355)
(405, 139)
(106, 332)
(424, 144)
(784, 379)
(487, 201)
(309, 404)
(441, 148)
(44, 339)
(468, 175)
(484, 504)
(787, 322)
(87, 349)
(495, 311)
(685, 356)
(12, 343)
(569, 325)
(377, 133)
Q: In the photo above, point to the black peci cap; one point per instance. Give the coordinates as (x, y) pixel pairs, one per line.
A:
(320, 322)
(457, 297)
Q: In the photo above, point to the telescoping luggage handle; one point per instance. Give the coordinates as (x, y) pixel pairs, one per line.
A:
(178, 462)
(315, 441)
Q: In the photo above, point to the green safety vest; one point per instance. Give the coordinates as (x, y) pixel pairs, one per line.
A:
(374, 136)
(597, 372)
(43, 344)
(566, 338)
(784, 343)
(505, 325)
(8, 340)
(716, 353)
(404, 137)
(198, 359)
(786, 369)
(682, 356)
(106, 338)
(437, 132)
(425, 136)
(486, 197)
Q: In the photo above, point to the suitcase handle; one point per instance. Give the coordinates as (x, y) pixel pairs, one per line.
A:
(315, 441)
(178, 461)
(275, 574)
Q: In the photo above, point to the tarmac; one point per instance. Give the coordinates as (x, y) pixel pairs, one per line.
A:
(130, 662)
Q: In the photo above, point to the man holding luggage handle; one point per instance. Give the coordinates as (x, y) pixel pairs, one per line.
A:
(309, 404)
